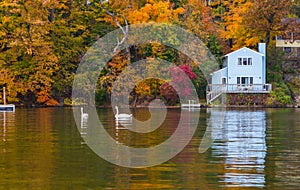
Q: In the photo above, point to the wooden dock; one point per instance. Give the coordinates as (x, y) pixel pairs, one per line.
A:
(7, 108)
(190, 105)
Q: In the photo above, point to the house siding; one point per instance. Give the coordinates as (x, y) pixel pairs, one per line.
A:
(218, 75)
(255, 70)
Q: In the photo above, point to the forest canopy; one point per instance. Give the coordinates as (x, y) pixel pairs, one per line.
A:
(43, 41)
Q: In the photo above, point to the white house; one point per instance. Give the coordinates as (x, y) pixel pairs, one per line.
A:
(244, 71)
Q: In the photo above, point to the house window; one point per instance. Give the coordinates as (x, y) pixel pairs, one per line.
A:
(249, 61)
(245, 80)
(279, 38)
(240, 61)
(244, 61)
(287, 49)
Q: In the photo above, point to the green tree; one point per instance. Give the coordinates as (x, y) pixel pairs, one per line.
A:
(77, 26)
(27, 61)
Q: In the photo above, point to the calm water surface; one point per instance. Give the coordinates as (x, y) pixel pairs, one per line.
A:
(253, 149)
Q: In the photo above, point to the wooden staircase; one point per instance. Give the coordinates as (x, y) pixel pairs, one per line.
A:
(214, 94)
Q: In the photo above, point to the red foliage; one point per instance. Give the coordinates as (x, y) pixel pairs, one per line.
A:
(188, 70)
(180, 81)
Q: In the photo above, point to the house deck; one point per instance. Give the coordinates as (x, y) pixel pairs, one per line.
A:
(215, 90)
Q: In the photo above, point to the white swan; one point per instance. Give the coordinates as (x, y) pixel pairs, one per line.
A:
(84, 116)
(122, 116)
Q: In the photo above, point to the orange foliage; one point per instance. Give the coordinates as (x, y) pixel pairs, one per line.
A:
(51, 102)
(235, 24)
(154, 11)
(252, 21)
(137, 12)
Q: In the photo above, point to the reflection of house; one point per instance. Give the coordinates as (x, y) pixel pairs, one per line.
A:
(244, 71)
(241, 141)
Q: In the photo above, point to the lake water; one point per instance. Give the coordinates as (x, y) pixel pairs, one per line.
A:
(42, 148)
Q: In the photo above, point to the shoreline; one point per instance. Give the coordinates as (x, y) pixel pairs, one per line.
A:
(171, 107)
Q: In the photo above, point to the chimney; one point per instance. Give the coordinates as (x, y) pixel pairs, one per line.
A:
(262, 48)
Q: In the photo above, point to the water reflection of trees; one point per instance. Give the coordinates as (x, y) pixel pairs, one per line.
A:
(27, 149)
(283, 166)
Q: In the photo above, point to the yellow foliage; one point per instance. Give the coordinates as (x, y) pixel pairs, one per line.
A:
(29, 62)
(249, 22)
(154, 11)
(235, 24)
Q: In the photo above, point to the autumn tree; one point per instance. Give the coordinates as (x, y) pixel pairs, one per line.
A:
(296, 8)
(77, 25)
(265, 17)
(27, 62)
(234, 24)
(123, 13)
(200, 20)
(248, 22)
(179, 80)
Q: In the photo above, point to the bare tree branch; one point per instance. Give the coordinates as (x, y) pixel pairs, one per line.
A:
(124, 31)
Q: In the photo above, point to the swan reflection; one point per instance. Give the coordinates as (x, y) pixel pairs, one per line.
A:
(241, 142)
(83, 125)
(123, 124)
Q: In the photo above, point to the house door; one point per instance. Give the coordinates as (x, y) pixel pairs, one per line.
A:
(224, 84)
(244, 83)
(245, 80)
(223, 80)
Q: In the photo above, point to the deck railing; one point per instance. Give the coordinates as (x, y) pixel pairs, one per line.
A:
(215, 90)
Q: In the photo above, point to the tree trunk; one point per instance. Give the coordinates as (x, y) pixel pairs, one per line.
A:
(268, 34)
(124, 29)
(51, 15)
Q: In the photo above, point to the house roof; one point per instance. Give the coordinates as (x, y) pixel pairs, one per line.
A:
(219, 70)
(242, 49)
